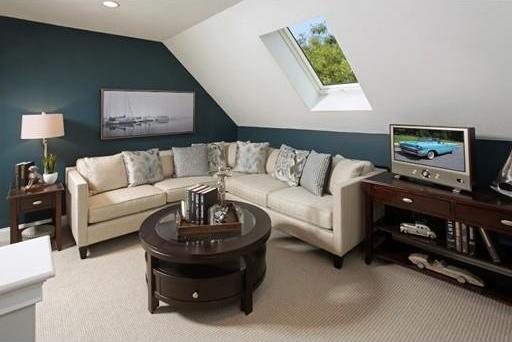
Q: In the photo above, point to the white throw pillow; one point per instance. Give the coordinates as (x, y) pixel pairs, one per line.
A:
(103, 173)
(167, 161)
(344, 169)
(272, 155)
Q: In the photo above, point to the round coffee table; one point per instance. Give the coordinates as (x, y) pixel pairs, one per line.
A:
(184, 274)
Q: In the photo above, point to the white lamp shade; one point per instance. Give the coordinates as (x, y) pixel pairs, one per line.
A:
(42, 126)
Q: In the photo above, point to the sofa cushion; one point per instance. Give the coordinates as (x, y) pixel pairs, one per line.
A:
(251, 157)
(175, 187)
(121, 202)
(143, 167)
(316, 170)
(289, 165)
(254, 188)
(301, 204)
(344, 169)
(103, 173)
(167, 161)
(272, 155)
(191, 161)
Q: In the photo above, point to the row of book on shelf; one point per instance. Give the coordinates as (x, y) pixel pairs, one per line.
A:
(198, 199)
(462, 238)
(21, 173)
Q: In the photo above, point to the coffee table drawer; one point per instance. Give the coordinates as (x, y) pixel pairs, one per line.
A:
(402, 199)
(36, 202)
(191, 289)
(484, 217)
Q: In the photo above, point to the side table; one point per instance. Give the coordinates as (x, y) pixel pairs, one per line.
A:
(42, 197)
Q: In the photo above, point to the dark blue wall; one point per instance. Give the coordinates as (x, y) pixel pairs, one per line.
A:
(488, 155)
(55, 69)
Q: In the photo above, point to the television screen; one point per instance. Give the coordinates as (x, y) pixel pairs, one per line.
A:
(433, 147)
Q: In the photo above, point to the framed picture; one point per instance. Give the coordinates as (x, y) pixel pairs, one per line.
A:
(143, 113)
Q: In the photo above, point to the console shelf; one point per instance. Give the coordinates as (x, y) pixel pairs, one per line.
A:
(404, 199)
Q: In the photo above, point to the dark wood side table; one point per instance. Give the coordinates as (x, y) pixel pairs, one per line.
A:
(42, 197)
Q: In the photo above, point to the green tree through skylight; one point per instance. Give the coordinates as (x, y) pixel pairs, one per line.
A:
(323, 52)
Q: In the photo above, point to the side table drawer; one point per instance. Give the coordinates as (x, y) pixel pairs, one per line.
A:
(484, 217)
(413, 202)
(37, 202)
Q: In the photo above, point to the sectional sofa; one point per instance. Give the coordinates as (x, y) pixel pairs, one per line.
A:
(333, 222)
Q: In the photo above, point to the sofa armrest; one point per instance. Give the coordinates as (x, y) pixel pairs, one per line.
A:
(348, 213)
(77, 201)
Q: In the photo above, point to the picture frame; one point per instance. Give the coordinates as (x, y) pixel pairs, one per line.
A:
(127, 113)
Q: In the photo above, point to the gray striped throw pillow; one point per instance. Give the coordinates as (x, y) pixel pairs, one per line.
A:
(314, 175)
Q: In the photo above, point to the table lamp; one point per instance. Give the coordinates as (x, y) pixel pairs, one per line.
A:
(42, 126)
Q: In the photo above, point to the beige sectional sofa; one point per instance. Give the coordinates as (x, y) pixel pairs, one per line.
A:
(333, 222)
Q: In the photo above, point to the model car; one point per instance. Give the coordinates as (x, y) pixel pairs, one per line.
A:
(417, 228)
(429, 148)
(423, 261)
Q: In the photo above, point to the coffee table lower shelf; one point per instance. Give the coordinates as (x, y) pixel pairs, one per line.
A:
(197, 286)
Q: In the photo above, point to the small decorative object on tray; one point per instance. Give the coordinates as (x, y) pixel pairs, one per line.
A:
(423, 261)
(417, 228)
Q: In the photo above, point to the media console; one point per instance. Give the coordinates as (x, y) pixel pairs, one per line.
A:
(404, 201)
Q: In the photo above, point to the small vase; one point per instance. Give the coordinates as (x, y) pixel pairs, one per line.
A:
(50, 178)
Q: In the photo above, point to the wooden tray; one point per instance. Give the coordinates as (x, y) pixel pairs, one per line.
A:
(188, 232)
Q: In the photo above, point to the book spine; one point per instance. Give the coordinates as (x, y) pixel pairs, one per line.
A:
(458, 242)
(201, 208)
(450, 234)
(17, 176)
(197, 206)
(472, 241)
(190, 206)
(490, 246)
(464, 238)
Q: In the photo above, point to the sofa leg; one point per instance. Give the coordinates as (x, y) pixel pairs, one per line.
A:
(338, 261)
(83, 252)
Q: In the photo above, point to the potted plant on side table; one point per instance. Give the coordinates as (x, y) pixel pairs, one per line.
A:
(50, 175)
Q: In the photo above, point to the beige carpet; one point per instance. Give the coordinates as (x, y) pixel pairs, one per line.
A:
(303, 298)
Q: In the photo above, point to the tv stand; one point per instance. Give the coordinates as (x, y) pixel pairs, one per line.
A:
(404, 200)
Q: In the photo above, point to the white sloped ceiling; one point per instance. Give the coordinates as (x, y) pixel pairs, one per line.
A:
(437, 62)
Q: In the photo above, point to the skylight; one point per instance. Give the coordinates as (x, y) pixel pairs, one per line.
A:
(322, 52)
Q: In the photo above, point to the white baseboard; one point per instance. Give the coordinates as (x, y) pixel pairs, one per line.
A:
(5, 232)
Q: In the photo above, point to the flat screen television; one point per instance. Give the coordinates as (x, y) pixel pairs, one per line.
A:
(440, 155)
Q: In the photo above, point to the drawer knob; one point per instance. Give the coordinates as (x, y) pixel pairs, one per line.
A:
(507, 222)
(407, 200)
(36, 203)
(195, 295)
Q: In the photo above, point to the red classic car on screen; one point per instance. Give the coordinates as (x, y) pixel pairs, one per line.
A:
(429, 148)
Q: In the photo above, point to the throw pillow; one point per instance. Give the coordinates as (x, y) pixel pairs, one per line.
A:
(191, 161)
(217, 156)
(272, 155)
(289, 165)
(344, 169)
(143, 167)
(103, 173)
(167, 163)
(251, 157)
(314, 175)
(231, 152)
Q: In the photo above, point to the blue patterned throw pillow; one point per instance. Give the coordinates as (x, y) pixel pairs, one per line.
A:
(251, 157)
(143, 167)
(314, 175)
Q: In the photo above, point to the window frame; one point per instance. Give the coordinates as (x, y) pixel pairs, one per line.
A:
(304, 62)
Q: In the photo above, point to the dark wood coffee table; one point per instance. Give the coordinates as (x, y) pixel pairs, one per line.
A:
(199, 274)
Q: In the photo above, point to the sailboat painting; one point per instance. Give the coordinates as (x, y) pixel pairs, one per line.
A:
(142, 113)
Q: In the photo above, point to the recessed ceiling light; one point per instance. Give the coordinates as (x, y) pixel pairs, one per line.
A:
(111, 4)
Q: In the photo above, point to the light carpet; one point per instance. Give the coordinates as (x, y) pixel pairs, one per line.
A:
(303, 298)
